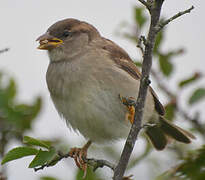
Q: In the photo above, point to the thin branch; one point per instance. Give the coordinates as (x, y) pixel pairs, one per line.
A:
(4, 50)
(144, 83)
(162, 24)
(99, 163)
(95, 163)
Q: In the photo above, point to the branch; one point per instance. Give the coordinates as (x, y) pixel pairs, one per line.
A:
(95, 163)
(162, 24)
(4, 50)
(99, 163)
(144, 83)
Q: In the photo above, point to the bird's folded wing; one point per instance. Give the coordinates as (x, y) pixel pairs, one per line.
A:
(122, 59)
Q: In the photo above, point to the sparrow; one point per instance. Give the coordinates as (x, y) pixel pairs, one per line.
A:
(93, 83)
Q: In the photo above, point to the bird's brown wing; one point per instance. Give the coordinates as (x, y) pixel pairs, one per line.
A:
(123, 60)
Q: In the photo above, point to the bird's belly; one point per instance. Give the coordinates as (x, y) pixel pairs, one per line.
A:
(90, 102)
(97, 114)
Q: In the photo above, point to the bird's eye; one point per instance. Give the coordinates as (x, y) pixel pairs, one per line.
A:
(67, 33)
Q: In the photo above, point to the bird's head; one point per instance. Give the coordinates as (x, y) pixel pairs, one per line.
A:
(67, 38)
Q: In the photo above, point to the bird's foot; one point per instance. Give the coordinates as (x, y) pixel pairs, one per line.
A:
(130, 104)
(80, 155)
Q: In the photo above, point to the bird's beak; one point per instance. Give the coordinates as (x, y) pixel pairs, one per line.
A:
(48, 42)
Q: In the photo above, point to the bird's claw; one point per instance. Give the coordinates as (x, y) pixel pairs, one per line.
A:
(80, 156)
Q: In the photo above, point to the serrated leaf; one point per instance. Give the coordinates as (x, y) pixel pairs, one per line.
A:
(18, 153)
(189, 80)
(48, 178)
(42, 157)
(35, 142)
(165, 65)
(197, 96)
(140, 18)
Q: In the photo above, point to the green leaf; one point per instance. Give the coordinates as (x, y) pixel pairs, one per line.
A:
(21, 115)
(137, 63)
(18, 153)
(35, 142)
(90, 175)
(197, 96)
(42, 157)
(189, 80)
(11, 89)
(140, 18)
(165, 65)
(48, 178)
(191, 167)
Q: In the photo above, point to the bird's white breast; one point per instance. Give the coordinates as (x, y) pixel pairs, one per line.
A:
(86, 92)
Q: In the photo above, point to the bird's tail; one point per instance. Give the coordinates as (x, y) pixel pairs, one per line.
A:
(162, 133)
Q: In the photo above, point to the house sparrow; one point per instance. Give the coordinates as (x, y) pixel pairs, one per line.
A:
(85, 77)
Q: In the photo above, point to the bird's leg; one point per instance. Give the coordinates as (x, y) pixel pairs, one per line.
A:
(130, 104)
(80, 155)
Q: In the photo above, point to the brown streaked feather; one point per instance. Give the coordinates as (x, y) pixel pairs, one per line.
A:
(123, 60)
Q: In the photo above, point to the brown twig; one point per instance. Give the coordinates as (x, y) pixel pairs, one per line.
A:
(4, 50)
(95, 163)
(162, 24)
(154, 8)
(144, 83)
(99, 163)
